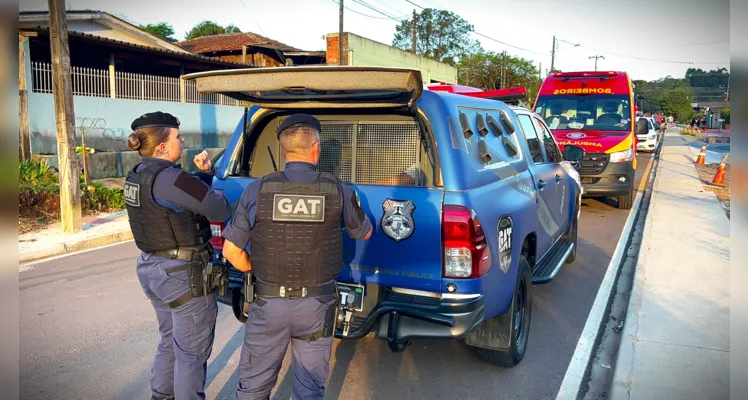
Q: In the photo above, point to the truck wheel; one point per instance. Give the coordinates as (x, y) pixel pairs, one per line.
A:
(237, 305)
(625, 202)
(572, 236)
(520, 311)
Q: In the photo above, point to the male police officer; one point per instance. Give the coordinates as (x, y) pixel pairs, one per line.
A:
(167, 208)
(293, 221)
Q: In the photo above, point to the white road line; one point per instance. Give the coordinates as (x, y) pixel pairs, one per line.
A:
(31, 265)
(583, 352)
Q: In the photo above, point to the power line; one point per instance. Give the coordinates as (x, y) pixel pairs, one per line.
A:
(337, 2)
(653, 60)
(252, 16)
(370, 7)
(488, 37)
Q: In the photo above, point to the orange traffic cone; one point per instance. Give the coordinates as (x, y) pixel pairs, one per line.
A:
(702, 156)
(719, 177)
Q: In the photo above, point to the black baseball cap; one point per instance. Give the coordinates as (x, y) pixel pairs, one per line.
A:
(157, 118)
(299, 120)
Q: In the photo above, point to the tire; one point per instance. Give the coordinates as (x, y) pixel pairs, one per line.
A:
(625, 202)
(573, 236)
(521, 310)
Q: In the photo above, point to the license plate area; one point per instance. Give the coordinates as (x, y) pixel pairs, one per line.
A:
(352, 289)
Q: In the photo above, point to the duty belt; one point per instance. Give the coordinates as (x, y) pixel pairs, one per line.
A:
(201, 253)
(263, 289)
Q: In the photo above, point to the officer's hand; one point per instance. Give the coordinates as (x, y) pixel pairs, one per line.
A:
(202, 162)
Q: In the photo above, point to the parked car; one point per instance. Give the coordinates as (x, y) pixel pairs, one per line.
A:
(486, 205)
(649, 141)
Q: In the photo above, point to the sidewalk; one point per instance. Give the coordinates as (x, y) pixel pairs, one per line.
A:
(99, 230)
(675, 341)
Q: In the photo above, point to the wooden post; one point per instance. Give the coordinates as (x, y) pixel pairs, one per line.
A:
(70, 190)
(24, 133)
(112, 80)
(244, 54)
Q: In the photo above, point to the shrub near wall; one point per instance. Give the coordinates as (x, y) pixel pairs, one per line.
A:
(39, 197)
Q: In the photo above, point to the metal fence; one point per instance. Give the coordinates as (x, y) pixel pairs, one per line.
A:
(96, 83)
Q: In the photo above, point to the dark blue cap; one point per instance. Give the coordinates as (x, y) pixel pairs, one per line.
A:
(299, 120)
(157, 118)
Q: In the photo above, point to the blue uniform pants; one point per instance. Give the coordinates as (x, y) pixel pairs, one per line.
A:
(271, 325)
(187, 331)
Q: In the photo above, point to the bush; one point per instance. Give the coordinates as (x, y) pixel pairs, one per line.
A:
(726, 115)
(39, 194)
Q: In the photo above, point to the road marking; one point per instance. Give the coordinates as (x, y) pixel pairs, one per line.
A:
(29, 266)
(645, 178)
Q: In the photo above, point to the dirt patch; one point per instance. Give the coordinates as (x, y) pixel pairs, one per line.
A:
(706, 174)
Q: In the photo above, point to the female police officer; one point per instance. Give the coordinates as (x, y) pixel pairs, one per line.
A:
(167, 208)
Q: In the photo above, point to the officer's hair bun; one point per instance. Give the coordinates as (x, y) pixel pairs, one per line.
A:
(133, 142)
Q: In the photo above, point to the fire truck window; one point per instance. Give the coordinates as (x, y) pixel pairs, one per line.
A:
(551, 148)
(532, 139)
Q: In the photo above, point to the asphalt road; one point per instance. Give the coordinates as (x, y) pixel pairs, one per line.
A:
(87, 331)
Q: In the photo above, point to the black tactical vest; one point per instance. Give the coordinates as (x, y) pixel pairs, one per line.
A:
(297, 236)
(155, 227)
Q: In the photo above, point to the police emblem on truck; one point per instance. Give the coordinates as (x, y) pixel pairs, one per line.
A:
(131, 192)
(397, 219)
(298, 208)
(505, 242)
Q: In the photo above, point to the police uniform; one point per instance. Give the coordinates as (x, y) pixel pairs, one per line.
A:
(169, 211)
(293, 221)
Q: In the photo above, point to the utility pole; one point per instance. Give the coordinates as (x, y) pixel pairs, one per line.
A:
(553, 53)
(24, 150)
(596, 57)
(503, 71)
(340, 36)
(62, 88)
(727, 92)
(413, 26)
(540, 71)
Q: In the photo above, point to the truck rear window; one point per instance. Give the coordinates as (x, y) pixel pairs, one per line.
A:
(360, 150)
(611, 113)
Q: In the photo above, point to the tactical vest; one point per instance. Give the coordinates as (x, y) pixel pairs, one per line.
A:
(297, 236)
(155, 227)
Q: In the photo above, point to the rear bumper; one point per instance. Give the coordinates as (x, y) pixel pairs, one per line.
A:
(608, 183)
(402, 317)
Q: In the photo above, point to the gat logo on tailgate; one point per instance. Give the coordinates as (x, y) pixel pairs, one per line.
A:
(298, 208)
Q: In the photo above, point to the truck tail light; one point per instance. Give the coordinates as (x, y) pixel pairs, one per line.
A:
(466, 253)
(216, 228)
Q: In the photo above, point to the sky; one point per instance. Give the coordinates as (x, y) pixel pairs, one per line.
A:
(650, 39)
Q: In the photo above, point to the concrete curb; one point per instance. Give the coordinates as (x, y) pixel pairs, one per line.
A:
(576, 373)
(75, 246)
(620, 383)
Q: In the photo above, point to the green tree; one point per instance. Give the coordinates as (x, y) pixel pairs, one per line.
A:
(440, 35)
(678, 103)
(210, 28)
(161, 29)
(483, 70)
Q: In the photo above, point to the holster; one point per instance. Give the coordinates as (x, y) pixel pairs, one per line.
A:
(249, 287)
(204, 278)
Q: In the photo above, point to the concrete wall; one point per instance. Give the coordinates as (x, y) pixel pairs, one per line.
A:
(367, 52)
(202, 125)
(118, 164)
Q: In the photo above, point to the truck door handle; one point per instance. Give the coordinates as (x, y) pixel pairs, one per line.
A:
(541, 184)
(558, 178)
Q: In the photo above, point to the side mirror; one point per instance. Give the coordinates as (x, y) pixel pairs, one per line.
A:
(642, 127)
(573, 153)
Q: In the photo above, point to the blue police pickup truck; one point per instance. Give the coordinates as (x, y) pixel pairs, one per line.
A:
(471, 199)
